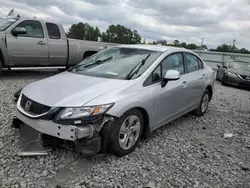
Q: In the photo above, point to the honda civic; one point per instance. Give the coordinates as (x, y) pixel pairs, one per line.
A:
(112, 99)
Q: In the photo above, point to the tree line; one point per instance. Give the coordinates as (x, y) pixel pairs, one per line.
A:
(123, 35)
(114, 34)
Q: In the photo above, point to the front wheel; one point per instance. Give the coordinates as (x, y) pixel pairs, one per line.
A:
(126, 133)
(202, 108)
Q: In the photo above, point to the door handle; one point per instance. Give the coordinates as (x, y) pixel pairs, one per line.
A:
(184, 84)
(41, 43)
(203, 75)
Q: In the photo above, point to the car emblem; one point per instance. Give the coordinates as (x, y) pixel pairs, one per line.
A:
(247, 78)
(28, 105)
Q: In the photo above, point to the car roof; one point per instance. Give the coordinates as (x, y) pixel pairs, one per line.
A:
(152, 47)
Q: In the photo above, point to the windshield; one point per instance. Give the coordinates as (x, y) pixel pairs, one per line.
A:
(244, 66)
(117, 62)
(6, 22)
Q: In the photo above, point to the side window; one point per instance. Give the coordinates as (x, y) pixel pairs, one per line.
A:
(53, 31)
(192, 62)
(200, 63)
(34, 29)
(173, 62)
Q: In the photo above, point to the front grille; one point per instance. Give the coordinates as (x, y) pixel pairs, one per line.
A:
(32, 107)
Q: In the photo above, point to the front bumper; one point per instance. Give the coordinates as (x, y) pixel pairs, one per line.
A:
(238, 82)
(85, 139)
(65, 132)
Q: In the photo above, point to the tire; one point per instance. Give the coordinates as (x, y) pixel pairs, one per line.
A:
(117, 146)
(201, 110)
(1, 67)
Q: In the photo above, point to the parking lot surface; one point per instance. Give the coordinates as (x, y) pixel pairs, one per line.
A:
(189, 152)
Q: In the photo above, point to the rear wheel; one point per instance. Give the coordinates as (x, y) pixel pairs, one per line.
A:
(126, 133)
(202, 108)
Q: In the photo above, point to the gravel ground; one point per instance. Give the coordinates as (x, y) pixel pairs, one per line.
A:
(189, 152)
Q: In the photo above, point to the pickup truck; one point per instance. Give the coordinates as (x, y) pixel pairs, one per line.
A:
(38, 43)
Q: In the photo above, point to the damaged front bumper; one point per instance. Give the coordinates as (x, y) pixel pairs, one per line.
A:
(39, 136)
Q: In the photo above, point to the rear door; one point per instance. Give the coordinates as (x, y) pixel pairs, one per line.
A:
(58, 47)
(195, 80)
(28, 49)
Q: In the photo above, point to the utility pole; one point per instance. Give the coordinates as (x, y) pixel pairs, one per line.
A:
(234, 42)
(202, 41)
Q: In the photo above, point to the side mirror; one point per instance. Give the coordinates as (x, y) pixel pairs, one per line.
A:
(171, 75)
(218, 66)
(18, 31)
(224, 66)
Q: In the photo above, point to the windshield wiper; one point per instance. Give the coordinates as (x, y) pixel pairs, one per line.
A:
(98, 62)
(133, 71)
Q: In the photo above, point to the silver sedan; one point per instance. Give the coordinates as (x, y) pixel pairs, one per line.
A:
(112, 99)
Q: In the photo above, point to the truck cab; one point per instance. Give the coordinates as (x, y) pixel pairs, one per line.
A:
(38, 43)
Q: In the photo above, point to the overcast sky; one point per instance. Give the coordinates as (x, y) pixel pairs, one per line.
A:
(218, 21)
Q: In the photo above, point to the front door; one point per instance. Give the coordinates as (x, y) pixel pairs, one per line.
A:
(28, 49)
(169, 101)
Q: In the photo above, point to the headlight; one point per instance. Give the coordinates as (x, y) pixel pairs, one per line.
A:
(232, 74)
(81, 112)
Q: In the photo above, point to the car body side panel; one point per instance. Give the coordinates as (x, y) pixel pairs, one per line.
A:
(196, 85)
(168, 101)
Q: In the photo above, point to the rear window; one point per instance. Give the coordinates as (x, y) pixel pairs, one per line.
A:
(53, 31)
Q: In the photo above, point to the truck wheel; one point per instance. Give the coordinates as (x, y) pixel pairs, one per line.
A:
(1, 67)
(126, 133)
(202, 108)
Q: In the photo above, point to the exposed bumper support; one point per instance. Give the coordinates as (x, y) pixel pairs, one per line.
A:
(65, 132)
(85, 139)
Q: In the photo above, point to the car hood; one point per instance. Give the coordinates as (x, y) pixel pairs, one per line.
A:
(70, 89)
(240, 72)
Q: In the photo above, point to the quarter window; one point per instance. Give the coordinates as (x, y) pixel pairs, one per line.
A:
(53, 31)
(173, 62)
(34, 29)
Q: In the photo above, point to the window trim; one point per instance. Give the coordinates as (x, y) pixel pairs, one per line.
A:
(30, 36)
(197, 62)
(48, 31)
(145, 84)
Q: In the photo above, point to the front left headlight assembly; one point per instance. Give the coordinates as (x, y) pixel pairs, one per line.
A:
(83, 112)
(232, 74)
